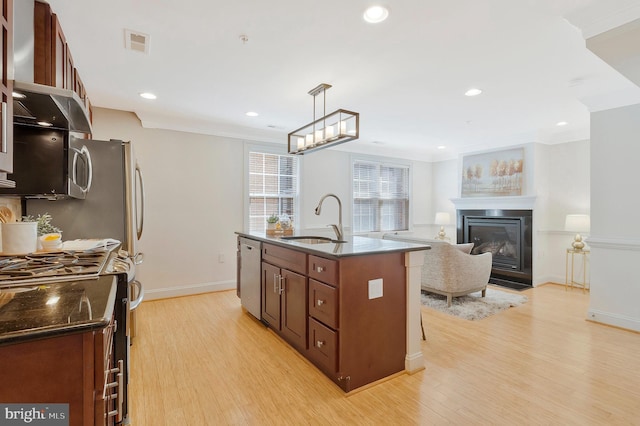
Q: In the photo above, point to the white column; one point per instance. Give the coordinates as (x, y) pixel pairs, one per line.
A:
(414, 361)
(615, 231)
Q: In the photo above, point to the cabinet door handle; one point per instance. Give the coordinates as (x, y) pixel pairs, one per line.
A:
(4, 136)
(275, 283)
(320, 269)
(320, 302)
(282, 284)
(120, 390)
(319, 343)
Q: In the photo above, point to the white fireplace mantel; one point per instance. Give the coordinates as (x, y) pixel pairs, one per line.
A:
(489, 203)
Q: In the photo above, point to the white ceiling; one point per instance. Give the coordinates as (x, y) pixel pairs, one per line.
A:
(406, 76)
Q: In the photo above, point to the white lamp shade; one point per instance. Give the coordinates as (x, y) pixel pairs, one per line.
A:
(442, 218)
(577, 223)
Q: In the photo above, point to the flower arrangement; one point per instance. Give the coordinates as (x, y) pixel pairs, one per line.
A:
(273, 219)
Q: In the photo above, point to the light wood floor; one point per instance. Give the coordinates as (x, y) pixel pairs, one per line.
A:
(201, 360)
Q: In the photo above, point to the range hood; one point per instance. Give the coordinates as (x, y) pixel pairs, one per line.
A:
(37, 103)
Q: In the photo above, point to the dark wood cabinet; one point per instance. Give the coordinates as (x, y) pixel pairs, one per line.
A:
(271, 297)
(294, 308)
(284, 294)
(323, 303)
(76, 369)
(60, 72)
(323, 347)
(6, 86)
(324, 299)
(53, 62)
(325, 270)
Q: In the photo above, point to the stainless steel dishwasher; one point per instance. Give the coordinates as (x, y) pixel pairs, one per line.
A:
(249, 274)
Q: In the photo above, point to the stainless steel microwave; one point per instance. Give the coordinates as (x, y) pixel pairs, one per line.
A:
(49, 163)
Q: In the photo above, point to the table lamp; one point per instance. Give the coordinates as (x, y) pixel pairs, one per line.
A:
(442, 218)
(577, 223)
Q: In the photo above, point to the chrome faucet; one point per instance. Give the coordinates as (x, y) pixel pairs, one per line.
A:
(337, 228)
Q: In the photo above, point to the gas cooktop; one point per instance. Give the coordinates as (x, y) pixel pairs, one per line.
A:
(52, 266)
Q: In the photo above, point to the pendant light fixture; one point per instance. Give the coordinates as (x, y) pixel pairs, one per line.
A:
(329, 130)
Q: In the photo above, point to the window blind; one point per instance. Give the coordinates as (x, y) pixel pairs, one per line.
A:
(273, 188)
(380, 197)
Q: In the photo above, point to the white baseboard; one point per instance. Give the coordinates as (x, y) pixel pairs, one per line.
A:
(615, 320)
(164, 293)
(556, 279)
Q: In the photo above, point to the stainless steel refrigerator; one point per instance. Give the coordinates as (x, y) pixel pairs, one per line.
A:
(113, 206)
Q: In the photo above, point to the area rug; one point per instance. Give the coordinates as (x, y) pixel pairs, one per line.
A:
(474, 306)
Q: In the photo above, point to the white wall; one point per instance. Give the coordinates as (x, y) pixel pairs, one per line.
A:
(193, 206)
(615, 229)
(563, 187)
(446, 185)
(325, 172)
(423, 187)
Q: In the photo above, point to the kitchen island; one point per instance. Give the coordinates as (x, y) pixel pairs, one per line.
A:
(351, 307)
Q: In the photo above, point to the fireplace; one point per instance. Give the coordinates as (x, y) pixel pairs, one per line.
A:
(506, 234)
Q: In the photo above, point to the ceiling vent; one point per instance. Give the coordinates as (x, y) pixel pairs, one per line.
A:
(136, 41)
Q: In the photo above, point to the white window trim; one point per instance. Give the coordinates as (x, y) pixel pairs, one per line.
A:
(269, 149)
(385, 161)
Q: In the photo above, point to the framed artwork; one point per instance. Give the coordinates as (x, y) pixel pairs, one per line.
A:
(493, 174)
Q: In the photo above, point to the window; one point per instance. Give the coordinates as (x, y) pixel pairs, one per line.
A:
(273, 188)
(380, 197)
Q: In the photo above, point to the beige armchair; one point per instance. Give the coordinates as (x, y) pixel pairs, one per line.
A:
(450, 269)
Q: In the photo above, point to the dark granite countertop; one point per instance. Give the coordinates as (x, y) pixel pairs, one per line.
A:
(354, 245)
(36, 311)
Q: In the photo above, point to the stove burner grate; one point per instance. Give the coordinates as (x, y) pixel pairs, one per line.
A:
(48, 264)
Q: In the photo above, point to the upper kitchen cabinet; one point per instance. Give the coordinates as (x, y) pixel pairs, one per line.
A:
(63, 69)
(6, 88)
(53, 63)
(45, 76)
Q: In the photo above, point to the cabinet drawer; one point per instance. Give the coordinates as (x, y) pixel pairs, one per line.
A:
(323, 346)
(323, 303)
(291, 259)
(324, 270)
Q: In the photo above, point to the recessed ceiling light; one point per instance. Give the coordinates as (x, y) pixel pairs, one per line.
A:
(473, 92)
(561, 123)
(442, 147)
(251, 114)
(376, 14)
(148, 95)
(44, 123)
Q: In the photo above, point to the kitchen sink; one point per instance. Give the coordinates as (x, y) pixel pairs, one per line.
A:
(305, 239)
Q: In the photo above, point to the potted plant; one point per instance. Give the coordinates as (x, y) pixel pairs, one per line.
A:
(49, 236)
(272, 221)
(44, 224)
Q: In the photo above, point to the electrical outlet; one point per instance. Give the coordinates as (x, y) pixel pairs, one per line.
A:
(375, 288)
(221, 258)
